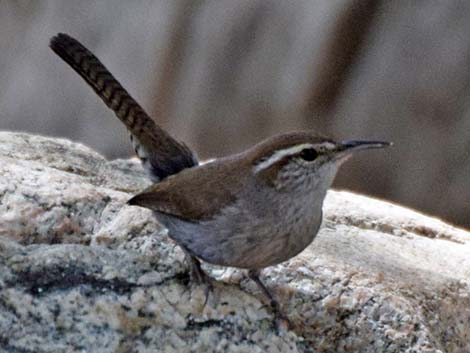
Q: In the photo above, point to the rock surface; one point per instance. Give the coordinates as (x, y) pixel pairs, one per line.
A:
(82, 272)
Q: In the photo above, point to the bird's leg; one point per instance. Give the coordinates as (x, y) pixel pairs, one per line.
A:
(198, 275)
(253, 274)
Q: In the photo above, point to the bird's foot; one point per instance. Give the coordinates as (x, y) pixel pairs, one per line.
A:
(200, 277)
(281, 318)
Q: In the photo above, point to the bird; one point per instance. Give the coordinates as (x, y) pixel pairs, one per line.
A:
(250, 210)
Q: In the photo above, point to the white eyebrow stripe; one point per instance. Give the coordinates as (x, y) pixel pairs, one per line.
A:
(278, 155)
(329, 146)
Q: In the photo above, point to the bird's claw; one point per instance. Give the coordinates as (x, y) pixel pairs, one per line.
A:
(202, 278)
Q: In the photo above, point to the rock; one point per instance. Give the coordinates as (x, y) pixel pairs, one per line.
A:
(80, 271)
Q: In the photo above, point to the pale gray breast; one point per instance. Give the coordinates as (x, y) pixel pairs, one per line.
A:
(261, 230)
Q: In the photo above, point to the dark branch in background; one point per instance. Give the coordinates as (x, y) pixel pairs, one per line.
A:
(350, 32)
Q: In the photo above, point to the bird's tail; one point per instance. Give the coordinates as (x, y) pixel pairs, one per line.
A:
(159, 152)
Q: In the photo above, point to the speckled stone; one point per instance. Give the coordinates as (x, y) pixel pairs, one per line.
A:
(82, 272)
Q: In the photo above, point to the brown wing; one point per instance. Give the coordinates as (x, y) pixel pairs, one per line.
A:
(194, 194)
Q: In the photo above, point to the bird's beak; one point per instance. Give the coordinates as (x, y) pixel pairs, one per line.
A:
(362, 145)
(346, 148)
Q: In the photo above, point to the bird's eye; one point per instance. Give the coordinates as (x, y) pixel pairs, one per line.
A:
(308, 154)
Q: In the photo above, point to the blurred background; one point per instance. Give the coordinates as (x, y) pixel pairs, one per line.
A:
(222, 75)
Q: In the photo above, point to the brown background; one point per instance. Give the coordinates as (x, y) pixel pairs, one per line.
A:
(224, 74)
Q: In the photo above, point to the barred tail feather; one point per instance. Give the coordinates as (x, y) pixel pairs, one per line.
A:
(159, 152)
